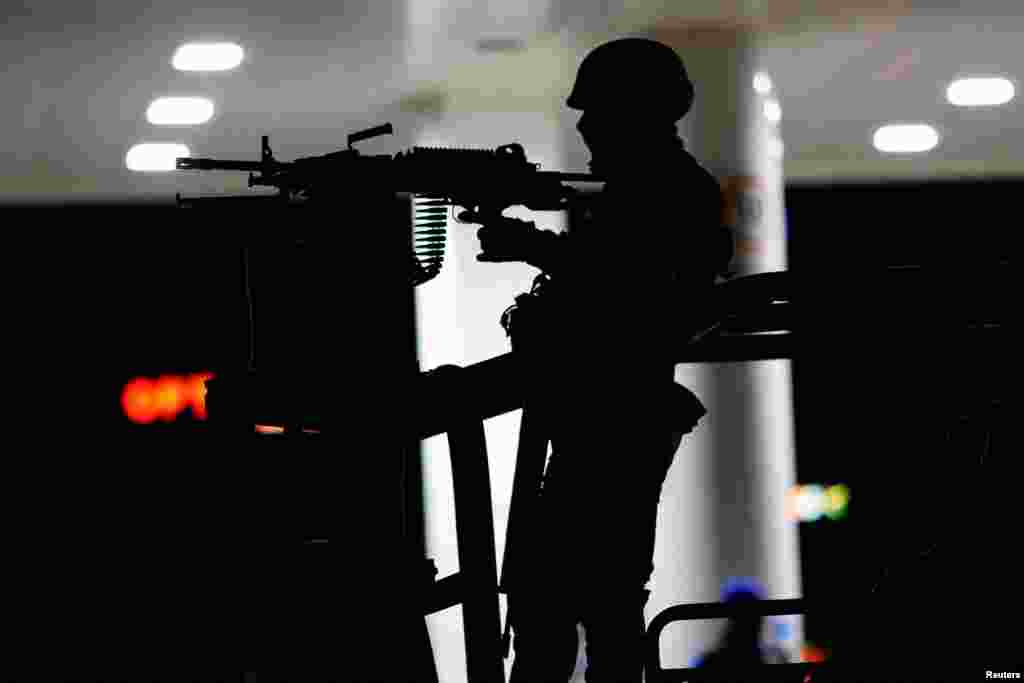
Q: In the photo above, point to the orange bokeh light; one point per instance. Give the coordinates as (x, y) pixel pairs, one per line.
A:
(170, 397)
(269, 429)
(138, 400)
(812, 653)
(145, 400)
(197, 394)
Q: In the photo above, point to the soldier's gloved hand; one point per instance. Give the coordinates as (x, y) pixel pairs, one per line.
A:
(504, 240)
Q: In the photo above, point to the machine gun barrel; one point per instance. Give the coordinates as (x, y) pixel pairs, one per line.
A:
(203, 164)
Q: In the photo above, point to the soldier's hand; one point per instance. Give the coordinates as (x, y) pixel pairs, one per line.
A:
(503, 240)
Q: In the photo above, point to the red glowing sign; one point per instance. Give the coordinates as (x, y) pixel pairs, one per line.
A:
(145, 400)
(812, 653)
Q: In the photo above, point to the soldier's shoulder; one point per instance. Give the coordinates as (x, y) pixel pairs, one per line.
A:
(690, 181)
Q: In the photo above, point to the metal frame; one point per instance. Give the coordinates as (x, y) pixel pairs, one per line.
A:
(718, 610)
(475, 584)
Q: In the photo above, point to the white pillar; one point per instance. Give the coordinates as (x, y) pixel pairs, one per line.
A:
(723, 511)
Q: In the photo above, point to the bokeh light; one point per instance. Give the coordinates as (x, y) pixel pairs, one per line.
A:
(145, 400)
(138, 401)
(811, 502)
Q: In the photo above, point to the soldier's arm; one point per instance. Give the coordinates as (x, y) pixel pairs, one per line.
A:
(551, 251)
(678, 235)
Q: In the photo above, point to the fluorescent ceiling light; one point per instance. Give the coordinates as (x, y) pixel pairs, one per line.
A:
(905, 138)
(773, 110)
(762, 83)
(207, 57)
(155, 156)
(179, 111)
(980, 92)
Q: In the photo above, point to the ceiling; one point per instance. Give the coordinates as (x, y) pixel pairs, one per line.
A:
(78, 78)
(837, 87)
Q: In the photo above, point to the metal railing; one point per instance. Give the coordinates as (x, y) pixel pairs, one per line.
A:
(655, 673)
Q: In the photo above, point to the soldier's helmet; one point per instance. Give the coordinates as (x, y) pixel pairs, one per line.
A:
(633, 74)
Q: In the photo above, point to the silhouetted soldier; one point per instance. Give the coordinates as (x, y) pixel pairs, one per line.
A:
(625, 289)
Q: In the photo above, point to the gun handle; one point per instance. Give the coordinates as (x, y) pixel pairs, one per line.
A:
(385, 129)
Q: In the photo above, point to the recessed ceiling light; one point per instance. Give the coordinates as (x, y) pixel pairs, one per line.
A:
(179, 111)
(905, 138)
(772, 110)
(980, 92)
(762, 83)
(207, 57)
(154, 156)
